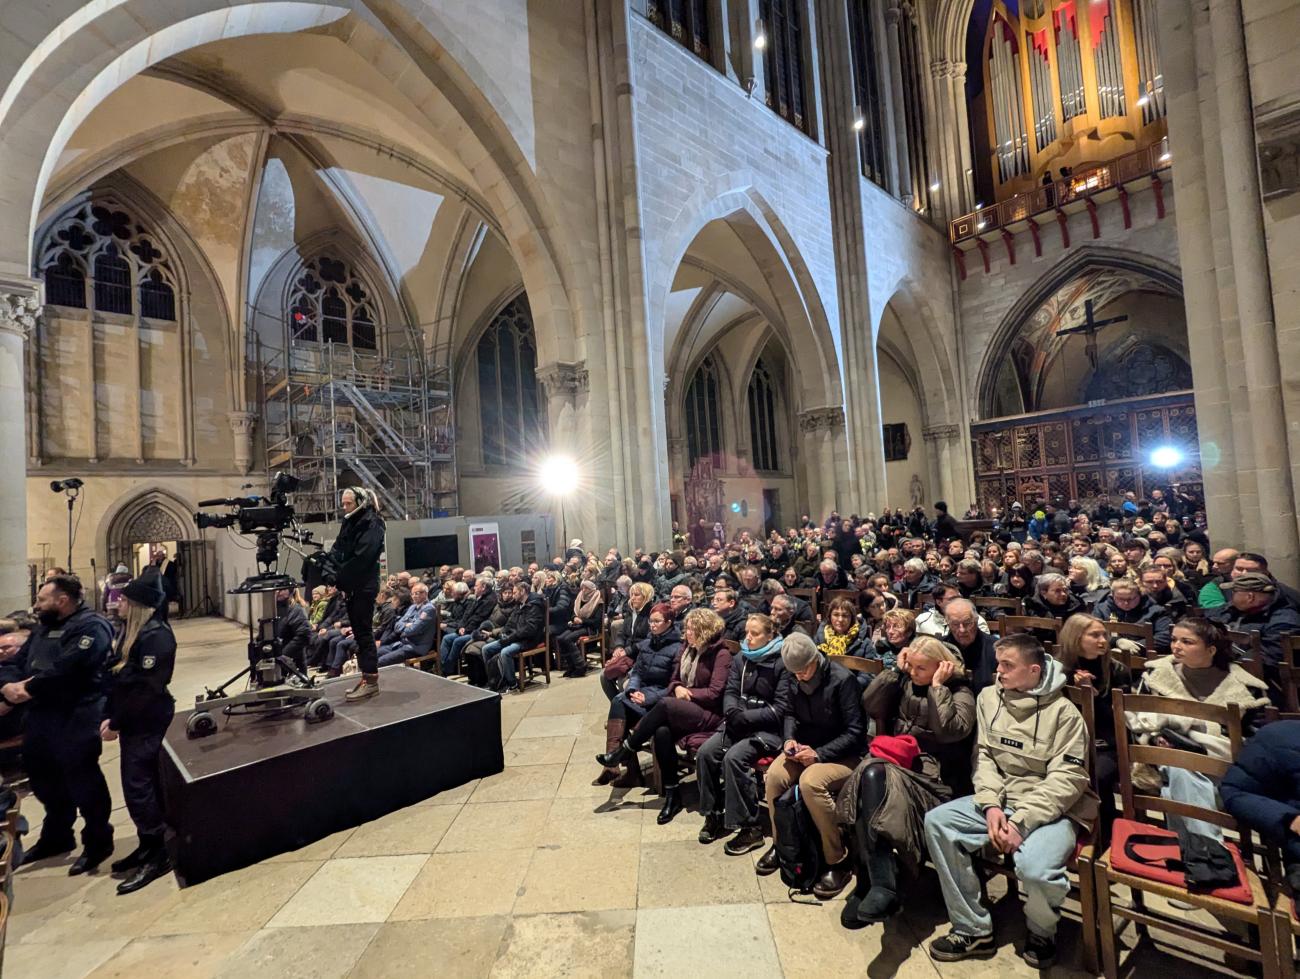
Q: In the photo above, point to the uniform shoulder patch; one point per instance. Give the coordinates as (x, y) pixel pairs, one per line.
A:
(85, 641)
(1072, 760)
(148, 662)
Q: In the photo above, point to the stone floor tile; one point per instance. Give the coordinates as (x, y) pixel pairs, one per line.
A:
(674, 875)
(322, 952)
(321, 849)
(549, 726)
(92, 911)
(739, 942)
(465, 885)
(243, 900)
(452, 797)
(583, 822)
(193, 956)
(492, 825)
(811, 942)
(595, 944)
(561, 701)
(356, 889)
(586, 878)
(450, 948)
(538, 751)
(415, 829)
(40, 899)
(519, 784)
(71, 960)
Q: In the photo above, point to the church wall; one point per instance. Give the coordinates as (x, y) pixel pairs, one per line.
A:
(899, 403)
(985, 298)
(902, 247)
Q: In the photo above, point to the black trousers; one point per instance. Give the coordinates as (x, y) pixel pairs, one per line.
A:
(726, 775)
(1107, 783)
(61, 753)
(140, 782)
(566, 644)
(361, 608)
(654, 727)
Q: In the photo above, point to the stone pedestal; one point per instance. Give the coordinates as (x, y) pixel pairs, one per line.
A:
(242, 424)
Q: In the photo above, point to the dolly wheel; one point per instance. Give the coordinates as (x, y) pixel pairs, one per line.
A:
(200, 725)
(319, 710)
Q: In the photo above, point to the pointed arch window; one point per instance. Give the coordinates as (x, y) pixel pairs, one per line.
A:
(97, 256)
(762, 419)
(686, 21)
(331, 303)
(703, 430)
(783, 59)
(867, 89)
(510, 405)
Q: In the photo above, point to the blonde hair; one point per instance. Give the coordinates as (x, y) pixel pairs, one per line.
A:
(706, 623)
(940, 652)
(135, 619)
(642, 588)
(764, 621)
(900, 616)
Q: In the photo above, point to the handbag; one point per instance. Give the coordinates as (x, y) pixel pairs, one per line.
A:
(617, 667)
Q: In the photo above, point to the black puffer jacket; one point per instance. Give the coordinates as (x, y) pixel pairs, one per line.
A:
(755, 698)
(357, 548)
(830, 718)
(527, 622)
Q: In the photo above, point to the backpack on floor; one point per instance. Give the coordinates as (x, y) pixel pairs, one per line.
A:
(798, 849)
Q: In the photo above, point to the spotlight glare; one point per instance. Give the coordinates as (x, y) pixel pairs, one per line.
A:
(1166, 457)
(558, 475)
(760, 41)
(934, 187)
(859, 124)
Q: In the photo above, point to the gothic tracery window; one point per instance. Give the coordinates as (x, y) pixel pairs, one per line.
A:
(510, 406)
(97, 256)
(331, 303)
(703, 430)
(762, 418)
(867, 88)
(783, 59)
(686, 21)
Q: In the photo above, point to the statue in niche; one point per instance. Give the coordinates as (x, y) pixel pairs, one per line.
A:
(917, 489)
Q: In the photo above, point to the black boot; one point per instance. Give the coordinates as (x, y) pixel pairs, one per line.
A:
(92, 855)
(672, 804)
(46, 848)
(882, 900)
(132, 860)
(156, 864)
(623, 754)
(714, 828)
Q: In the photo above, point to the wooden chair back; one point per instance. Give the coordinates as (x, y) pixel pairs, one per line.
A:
(1128, 754)
(809, 595)
(1013, 624)
(1143, 632)
(1085, 699)
(861, 664)
(1247, 643)
(828, 596)
(1002, 606)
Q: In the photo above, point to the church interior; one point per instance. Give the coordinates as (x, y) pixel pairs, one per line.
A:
(653, 276)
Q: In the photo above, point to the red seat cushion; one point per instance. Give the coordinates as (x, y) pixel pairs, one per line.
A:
(1238, 893)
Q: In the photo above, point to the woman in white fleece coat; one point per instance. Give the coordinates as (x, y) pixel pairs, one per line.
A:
(1199, 668)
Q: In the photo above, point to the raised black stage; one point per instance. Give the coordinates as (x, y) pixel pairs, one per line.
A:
(265, 785)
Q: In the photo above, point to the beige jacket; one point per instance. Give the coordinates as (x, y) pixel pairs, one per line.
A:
(1163, 679)
(1030, 754)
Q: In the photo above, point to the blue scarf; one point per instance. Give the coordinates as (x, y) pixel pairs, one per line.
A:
(763, 652)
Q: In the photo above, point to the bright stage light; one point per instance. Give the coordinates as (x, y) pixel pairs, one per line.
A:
(1166, 457)
(558, 475)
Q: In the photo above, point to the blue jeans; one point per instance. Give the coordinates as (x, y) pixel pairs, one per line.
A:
(1197, 789)
(957, 829)
(505, 658)
(396, 653)
(449, 650)
(340, 652)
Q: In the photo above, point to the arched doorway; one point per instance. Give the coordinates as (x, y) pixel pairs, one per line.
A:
(156, 520)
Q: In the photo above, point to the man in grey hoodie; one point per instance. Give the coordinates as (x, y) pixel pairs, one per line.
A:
(1031, 797)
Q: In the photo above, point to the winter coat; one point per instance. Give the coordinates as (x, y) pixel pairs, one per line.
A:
(654, 664)
(1031, 754)
(1262, 790)
(694, 721)
(293, 630)
(940, 716)
(1162, 678)
(856, 647)
(1146, 611)
(357, 548)
(829, 720)
(527, 623)
(561, 601)
(734, 623)
(932, 623)
(1275, 620)
(478, 610)
(756, 697)
(1035, 605)
(908, 594)
(980, 659)
(138, 700)
(633, 630)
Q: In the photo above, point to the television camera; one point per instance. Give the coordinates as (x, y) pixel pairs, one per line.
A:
(275, 682)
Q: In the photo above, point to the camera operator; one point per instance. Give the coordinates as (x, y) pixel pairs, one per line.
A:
(138, 709)
(291, 626)
(356, 554)
(59, 674)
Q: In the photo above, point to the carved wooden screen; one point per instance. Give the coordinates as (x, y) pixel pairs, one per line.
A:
(1081, 453)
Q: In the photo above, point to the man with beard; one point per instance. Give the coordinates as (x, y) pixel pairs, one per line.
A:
(59, 674)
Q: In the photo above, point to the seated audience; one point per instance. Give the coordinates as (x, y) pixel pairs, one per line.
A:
(1052, 598)
(931, 622)
(915, 582)
(1031, 798)
(824, 739)
(629, 631)
(733, 616)
(653, 662)
(926, 696)
(840, 633)
(754, 704)
(691, 711)
(976, 648)
(415, 634)
(1088, 582)
(525, 628)
(787, 615)
(1256, 604)
(478, 609)
(588, 618)
(1127, 604)
(1262, 792)
(897, 630)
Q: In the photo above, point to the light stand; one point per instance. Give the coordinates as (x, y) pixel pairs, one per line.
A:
(71, 488)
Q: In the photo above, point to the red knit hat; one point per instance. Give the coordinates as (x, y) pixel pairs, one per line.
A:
(901, 749)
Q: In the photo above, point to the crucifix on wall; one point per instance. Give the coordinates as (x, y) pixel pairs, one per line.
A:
(1089, 328)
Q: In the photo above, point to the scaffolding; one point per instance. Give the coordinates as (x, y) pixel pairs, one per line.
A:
(337, 417)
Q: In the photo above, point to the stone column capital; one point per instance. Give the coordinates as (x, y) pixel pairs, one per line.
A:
(564, 379)
(242, 424)
(941, 433)
(19, 310)
(827, 419)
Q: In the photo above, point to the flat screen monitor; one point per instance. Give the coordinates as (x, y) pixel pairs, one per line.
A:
(429, 552)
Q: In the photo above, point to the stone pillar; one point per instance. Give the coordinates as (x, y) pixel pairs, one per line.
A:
(943, 442)
(809, 460)
(19, 307)
(834, 459)
(242, 424)
(893, 13)
(966, 179)
(566, 387)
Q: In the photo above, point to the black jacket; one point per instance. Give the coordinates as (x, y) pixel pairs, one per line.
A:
(1162, 624)
(979, 658)
(734, 623)
(756, 697)
(1034, 605)
(138, 699)
(1262, 790)
(292, 629)
(527, 622)
(945, 528)
(561, 601)
(356, 550)
(631, 631)
(830, 718)
(65, 661)
(478, 611)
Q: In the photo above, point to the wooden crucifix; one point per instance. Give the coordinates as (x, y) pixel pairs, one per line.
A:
(1089, 328)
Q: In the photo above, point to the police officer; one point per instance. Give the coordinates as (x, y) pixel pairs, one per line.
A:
(138, 709)
(356, 554)
(59, 674)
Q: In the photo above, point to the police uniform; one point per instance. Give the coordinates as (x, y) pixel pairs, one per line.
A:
(139, 707)
(61, 744)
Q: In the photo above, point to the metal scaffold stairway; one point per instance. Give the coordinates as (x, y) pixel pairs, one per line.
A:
(337, 417)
